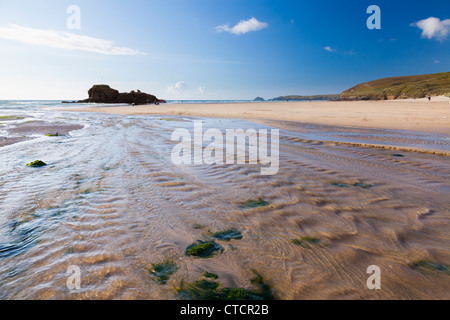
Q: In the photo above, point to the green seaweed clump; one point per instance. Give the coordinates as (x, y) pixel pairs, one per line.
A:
(397, 155)
(306, 241)
(253, 204)
(162, 271)
(339, 184)
(362, 185)
(11, 118)
(211, 290)
(346, 185)
(203, 249)
(424, 266)
(210, 275)
(228, 234)
(36, 164)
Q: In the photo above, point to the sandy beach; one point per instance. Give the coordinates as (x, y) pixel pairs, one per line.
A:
(112, 201)
(417, 115)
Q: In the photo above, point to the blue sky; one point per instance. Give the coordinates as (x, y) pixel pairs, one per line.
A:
(215, 49)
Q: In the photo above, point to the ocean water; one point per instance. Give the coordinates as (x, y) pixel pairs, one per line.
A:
(112, 202)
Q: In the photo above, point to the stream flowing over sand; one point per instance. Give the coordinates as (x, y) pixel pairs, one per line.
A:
(111, 202)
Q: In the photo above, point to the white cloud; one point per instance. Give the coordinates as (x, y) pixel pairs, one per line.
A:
(244, 26)
(434, 28)
(63, 40)
(329, 49)
(437, 61)
(202, 90)
(179, 88)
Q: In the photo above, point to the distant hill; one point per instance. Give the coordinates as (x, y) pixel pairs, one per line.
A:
(400, 88)
(316, 97)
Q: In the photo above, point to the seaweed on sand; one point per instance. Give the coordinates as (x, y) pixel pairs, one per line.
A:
(210, 275)
(253, 203)
(11, 118)
(346, 185)
(211, 290)
(339, 184)
(36, 164)
(425, 265)
(306, 241)
(203, 249)
(363, 185)
(228, 234)
(162, 271)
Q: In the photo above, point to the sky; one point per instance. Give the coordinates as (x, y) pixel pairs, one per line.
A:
(215, 49)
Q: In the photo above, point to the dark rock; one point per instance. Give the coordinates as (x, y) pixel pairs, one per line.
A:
(259, 99)
(105, 94)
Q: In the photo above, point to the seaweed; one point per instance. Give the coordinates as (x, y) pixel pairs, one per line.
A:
(253, 203)
(210, 275)
(339, 184)
(198, 226)
(425, 265)
(228, 234)
(70, 250)
(36, 164)
(346, 185)
(203, 249)
(11, 118)
(162, 271)
(397, 155)
(363, 185)
(300, 243)
(52, 135)
(211, 290)
(306, 241)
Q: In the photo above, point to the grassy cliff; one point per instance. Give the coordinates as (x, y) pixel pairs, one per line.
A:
(401, 88)
(316, 97)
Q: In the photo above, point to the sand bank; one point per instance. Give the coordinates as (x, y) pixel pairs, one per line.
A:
(18, 132)
(417, 115)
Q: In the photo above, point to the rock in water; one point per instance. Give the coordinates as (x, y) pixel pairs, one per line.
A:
(101, 93)
(37, 164)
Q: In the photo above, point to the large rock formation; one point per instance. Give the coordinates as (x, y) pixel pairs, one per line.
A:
(101, 93)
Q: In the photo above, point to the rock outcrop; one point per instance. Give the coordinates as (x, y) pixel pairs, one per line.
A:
(101, 93)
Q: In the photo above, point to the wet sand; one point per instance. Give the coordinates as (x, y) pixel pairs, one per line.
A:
(23, 131)
(112, 202)
(6, 141)
(417, 115)
(43, 128)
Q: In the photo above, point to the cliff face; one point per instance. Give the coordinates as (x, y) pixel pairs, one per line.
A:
(418, 86)
(105, 94)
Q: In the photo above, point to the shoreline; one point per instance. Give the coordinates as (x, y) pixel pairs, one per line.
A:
(412, 115)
